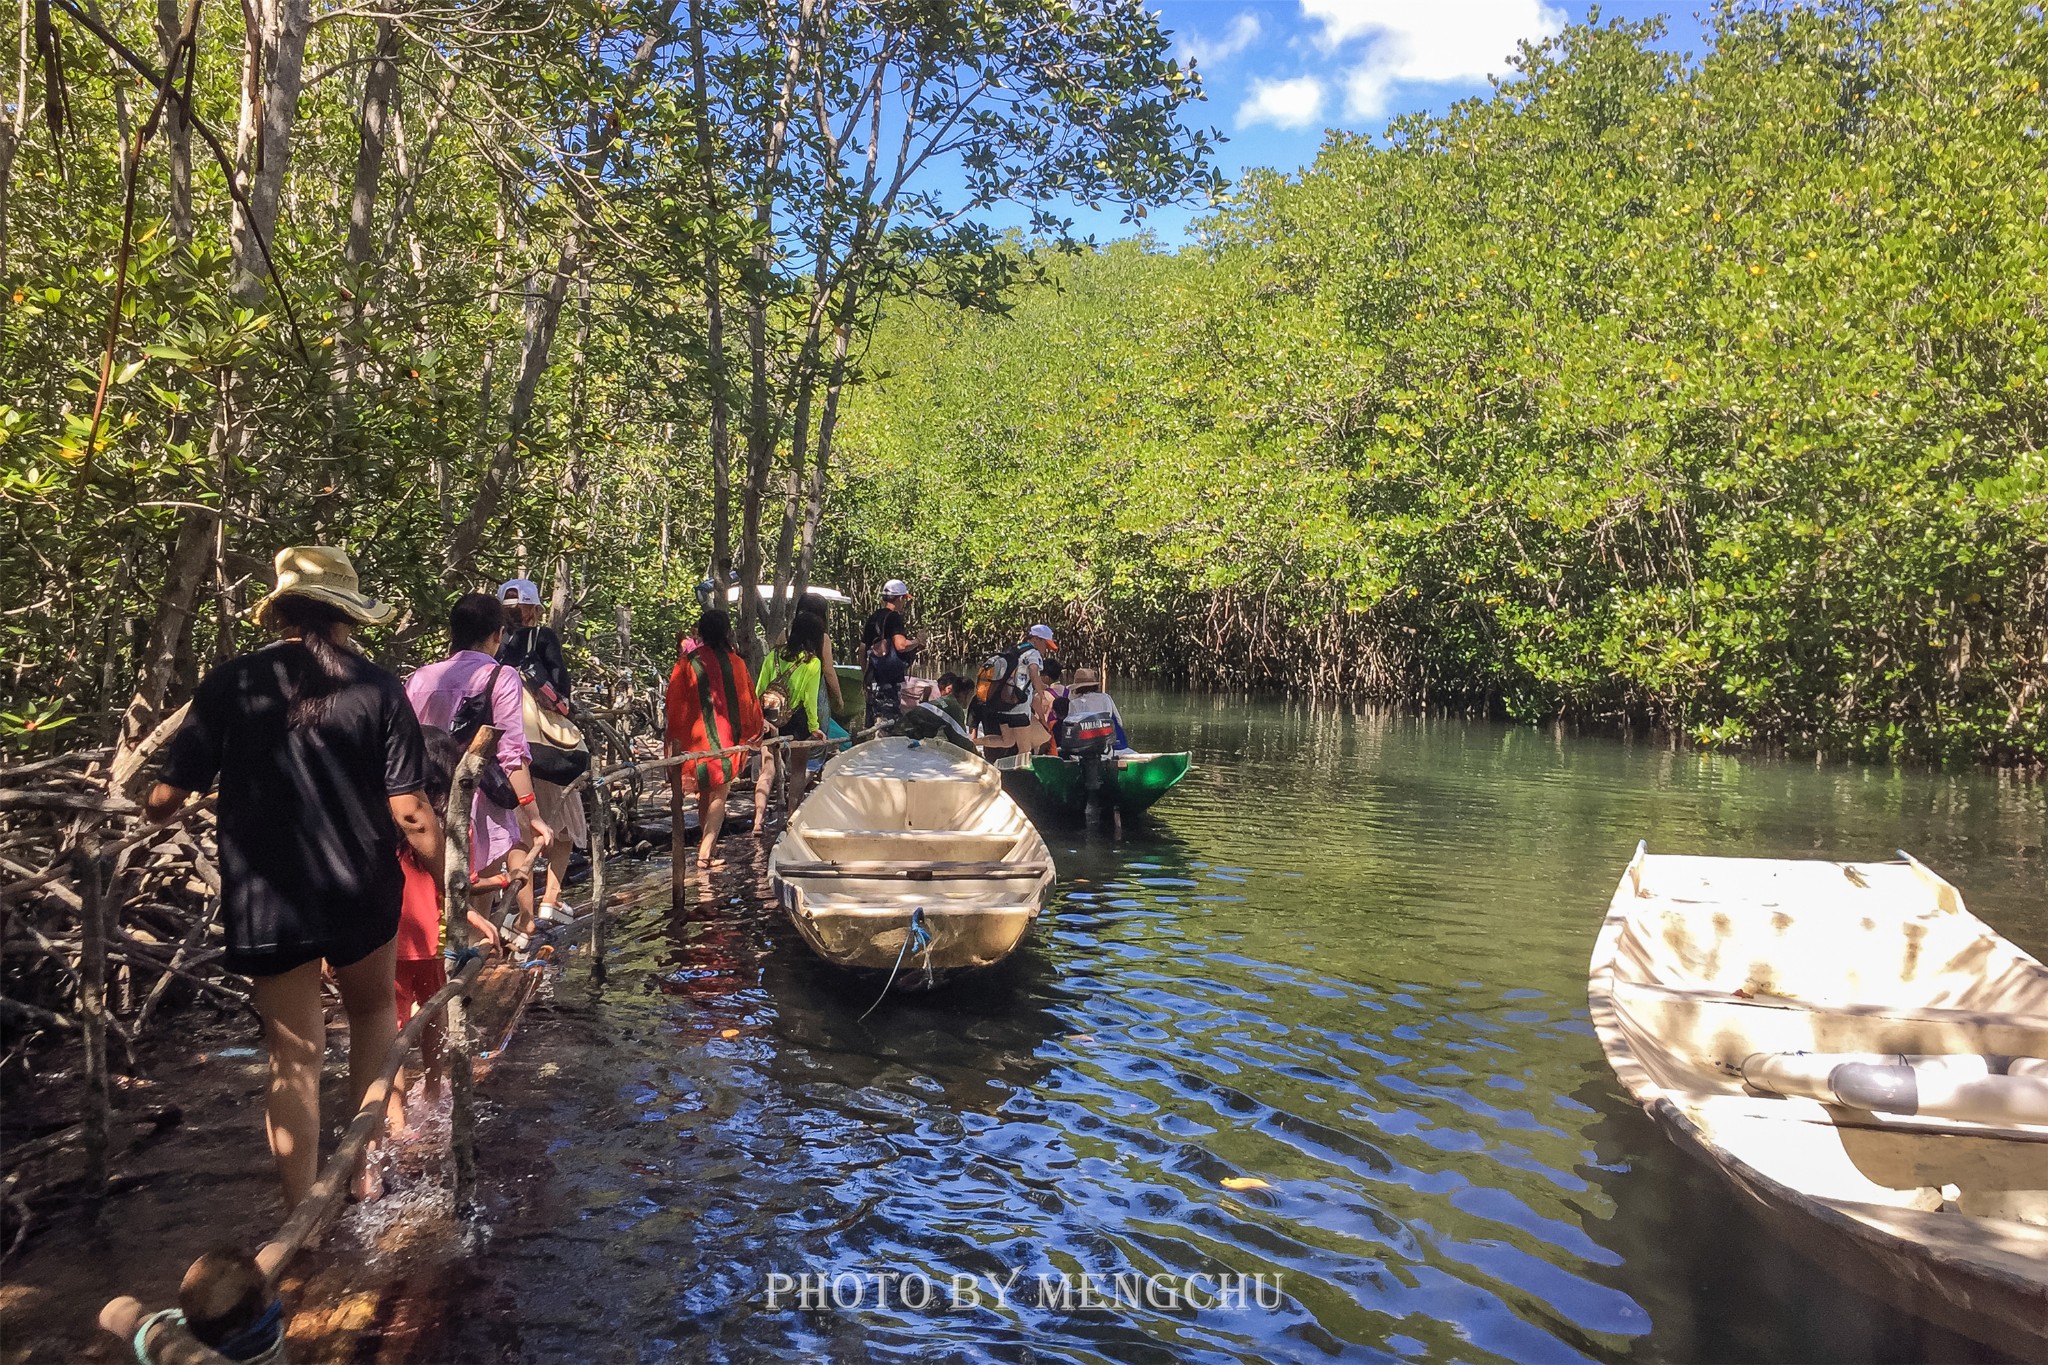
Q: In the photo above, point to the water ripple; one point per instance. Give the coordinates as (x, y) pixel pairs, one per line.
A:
(1320, 1021)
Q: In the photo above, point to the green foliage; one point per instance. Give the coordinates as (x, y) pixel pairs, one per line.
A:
(1709, 396)
(371, 392)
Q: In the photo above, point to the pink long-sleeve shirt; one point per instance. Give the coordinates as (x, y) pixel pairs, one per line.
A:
(435, 691)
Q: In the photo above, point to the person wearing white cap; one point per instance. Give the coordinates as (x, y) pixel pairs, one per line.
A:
(530, 646)
(535, 652)
(1004, 692)
(887, 651)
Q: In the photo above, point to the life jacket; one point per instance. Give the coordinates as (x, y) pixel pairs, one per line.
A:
(997, 685)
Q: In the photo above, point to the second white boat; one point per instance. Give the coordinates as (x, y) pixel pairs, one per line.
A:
(909, 859)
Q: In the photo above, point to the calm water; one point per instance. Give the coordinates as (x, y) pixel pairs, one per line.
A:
(1346, 959)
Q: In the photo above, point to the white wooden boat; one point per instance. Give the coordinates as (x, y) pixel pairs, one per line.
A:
(908, 858)
(1858, 1053)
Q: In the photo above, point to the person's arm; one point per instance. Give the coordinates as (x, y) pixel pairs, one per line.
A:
(831, 676)
(680, 711)
(191, 760)
(514, 755)
(748, 725)
(405, 777)
(163, 802)
(420, 827)
(557, 667)
(522, 787)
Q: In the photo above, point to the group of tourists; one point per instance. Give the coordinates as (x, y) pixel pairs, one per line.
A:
(334, 778)
(1019, 702)
(333, 782)
(721, 716)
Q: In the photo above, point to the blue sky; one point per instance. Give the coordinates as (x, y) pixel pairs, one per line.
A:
(1278, 73)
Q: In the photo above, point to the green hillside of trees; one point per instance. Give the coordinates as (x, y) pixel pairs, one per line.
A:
(1706, 396)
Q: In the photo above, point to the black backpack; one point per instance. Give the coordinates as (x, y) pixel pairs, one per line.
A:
(472, 713)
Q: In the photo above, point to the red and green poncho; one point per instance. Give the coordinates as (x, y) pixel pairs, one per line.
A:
(711, 705)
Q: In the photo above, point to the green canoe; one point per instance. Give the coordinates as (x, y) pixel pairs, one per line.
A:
(1141, 779)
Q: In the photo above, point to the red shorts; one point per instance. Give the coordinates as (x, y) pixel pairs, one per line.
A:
(418, 979)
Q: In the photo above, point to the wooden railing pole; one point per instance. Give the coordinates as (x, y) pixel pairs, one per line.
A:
(455, 926)
(600, 848)
(92, 1005)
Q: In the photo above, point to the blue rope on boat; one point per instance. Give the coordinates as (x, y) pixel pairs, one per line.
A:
(918, 936)
(460, 957)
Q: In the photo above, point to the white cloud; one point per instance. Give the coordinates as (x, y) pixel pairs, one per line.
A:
(1244, 31)
(1425, 43)
(1284, 104)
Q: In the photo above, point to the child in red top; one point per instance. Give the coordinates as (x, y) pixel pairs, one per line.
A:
(421, 968)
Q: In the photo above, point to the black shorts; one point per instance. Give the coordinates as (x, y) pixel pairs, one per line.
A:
(991, 720)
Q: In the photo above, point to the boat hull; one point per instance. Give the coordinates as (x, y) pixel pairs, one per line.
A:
(1704, 963)
(1139, 781)
(882, 939)
(910, 859)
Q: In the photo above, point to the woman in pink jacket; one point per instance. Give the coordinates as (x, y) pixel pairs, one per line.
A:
(497, 835)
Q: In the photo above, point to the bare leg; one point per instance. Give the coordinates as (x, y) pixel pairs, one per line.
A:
(520, 859)
(295, 1034)
(711, 812)
(367, 987)
(799, 782)
(558, 866)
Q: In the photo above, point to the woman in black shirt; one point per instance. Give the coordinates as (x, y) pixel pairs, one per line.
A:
(321, 767)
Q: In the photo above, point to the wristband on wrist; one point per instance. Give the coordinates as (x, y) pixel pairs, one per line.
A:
(528, 799)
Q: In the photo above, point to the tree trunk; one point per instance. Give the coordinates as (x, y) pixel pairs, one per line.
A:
(273, 65)
(378, 88)
(11, 132)
(191, 557)
(177, 133)
(572, 466)
(828, 422)
(283, 59)
(541, 321)
(761, 434)
(714, 309)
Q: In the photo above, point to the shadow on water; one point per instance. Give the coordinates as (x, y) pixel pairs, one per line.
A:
(1321, 1017)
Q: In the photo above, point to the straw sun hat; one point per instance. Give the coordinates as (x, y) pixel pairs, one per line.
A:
(324, 574)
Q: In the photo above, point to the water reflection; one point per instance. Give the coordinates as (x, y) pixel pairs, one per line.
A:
(1341, 970)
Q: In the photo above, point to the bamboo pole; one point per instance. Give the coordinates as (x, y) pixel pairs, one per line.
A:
(92, 1008)
(455, 928)
(600, 838)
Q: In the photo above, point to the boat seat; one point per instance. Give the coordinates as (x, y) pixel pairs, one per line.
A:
(920, 871)
(909, 845)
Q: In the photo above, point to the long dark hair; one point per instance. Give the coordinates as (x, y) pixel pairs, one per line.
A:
(714, 628)
(806, 636)
(443, 752)
(310, 696)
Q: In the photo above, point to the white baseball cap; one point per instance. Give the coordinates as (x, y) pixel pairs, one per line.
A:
(1041, 633)
(524, 591)
(895, 587)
